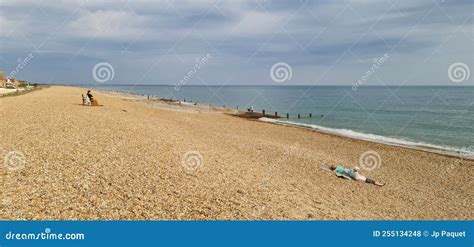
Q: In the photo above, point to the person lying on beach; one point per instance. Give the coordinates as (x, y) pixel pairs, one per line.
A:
(340, 171)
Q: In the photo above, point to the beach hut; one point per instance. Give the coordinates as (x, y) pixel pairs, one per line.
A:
(11, 83)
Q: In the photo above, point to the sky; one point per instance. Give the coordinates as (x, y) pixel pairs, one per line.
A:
(256, 42)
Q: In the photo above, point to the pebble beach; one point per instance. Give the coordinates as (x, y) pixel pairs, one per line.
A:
(137, 159)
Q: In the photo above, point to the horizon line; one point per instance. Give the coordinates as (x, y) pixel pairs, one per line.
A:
(249, 85)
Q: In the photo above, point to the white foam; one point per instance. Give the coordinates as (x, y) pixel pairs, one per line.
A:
(463, 152)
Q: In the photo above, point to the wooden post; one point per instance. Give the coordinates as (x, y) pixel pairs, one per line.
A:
(287, 115)
(310, 115)
(299, 115)
(276, 114)
(263, 111)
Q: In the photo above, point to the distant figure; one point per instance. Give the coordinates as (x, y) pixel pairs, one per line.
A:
(353, 174)
(93, 101)
(89, 95)
(250, 109)
(85, 100)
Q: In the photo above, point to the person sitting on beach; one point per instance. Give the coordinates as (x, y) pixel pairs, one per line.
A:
(93, 101)
(89, 95)
(85, 100)
(353, 174)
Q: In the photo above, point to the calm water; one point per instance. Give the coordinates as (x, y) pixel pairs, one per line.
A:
(436, 117)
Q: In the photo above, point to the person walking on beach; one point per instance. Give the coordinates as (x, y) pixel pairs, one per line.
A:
(341, 171)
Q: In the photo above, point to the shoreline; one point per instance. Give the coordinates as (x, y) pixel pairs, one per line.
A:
(320, 129)
(137, 160)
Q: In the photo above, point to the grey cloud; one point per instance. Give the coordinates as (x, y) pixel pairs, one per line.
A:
(70, 36)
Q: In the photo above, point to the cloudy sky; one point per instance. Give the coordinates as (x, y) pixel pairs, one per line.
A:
(160, 42)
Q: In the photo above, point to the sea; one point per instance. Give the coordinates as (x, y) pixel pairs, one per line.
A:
(439, 118)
